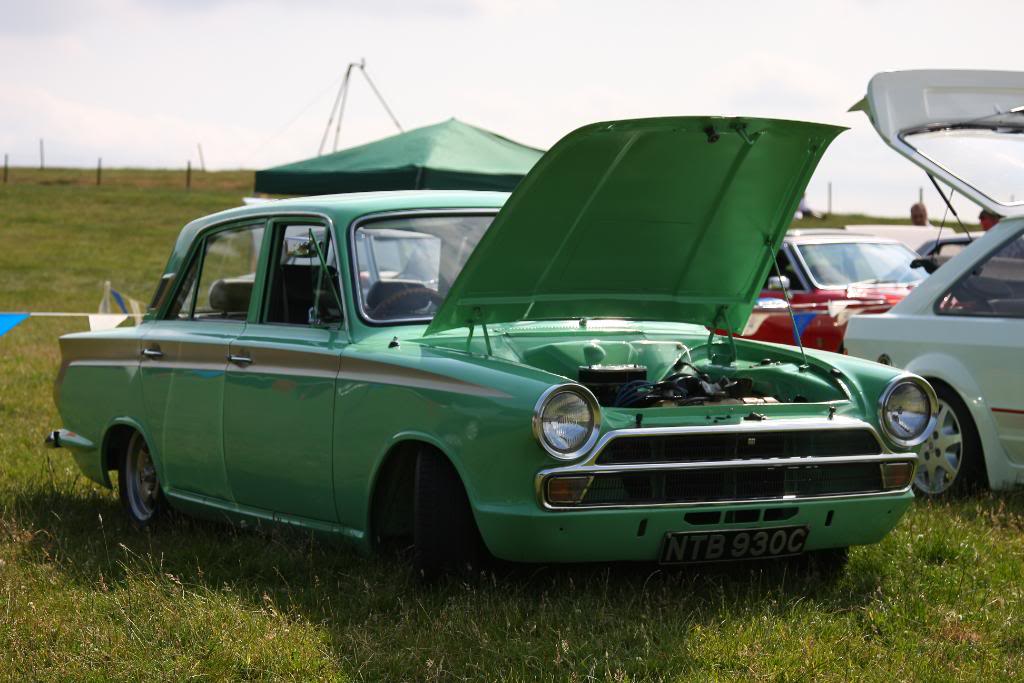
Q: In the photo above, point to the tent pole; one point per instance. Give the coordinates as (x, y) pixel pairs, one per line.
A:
(362, 67)
(341, 106)
(334, 107)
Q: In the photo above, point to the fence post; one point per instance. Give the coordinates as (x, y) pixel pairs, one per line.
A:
(5, 168)
(99, 170)
(188, 175)
(42, 156)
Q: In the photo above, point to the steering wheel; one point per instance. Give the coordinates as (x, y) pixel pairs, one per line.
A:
(382, 310)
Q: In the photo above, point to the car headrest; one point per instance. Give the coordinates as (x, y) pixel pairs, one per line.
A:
(231, 295)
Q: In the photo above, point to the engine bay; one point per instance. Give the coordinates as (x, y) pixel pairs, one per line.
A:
(627, 386)
(631, 373)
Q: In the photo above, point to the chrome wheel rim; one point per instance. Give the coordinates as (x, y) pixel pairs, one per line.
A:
(143, 487)
(941, 454)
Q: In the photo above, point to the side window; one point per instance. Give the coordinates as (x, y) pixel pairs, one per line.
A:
(181, 307)
(950, 249)
(994, 288)
(787, 270)
(301, 291)
(219, 281)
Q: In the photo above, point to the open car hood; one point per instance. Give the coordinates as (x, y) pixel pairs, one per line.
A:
(963, 127)
(674, 219)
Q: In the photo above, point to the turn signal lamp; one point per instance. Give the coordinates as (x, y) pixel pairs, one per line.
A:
(897, 475)
(567, 490)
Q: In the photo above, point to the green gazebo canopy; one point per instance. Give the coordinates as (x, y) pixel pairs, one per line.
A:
(446, 156)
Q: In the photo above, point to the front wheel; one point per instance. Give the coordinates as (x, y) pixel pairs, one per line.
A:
(445, 536)
(138, 485)
(951, 459)
(827, 563)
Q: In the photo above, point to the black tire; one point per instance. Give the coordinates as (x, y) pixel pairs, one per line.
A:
(445, 536)
(827, 563)
(970, 475)
(141, 496)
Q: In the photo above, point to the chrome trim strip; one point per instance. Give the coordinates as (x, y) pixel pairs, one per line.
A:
(357, 295)
(783, 425)
(590, 467)
(720, 503)
(730, 464)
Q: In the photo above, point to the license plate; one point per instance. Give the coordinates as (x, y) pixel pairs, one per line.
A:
(736, 544)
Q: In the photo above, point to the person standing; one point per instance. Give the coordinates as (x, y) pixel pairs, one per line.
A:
(919, 215)
(988, 219)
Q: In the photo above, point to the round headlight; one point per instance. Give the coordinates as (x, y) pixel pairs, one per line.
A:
(907, 411)
(566, 421)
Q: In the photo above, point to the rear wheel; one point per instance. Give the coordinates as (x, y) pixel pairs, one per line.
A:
(138, 485)
(445, 536)
(951, 458)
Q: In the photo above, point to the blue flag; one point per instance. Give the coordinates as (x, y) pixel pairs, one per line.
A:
(802, 320)
(8, 321)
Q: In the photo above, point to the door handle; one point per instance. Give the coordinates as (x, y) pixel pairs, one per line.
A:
(239, 359)
(153, 352)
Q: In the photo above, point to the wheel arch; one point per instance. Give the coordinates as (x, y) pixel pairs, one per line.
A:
(393, 481)
(948, 372)
(115, 440)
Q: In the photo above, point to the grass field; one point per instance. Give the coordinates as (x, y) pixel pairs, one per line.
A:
(82, 596)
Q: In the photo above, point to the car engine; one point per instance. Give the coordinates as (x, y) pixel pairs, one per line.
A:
(627, 386)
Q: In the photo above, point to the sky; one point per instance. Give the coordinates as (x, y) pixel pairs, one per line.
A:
(143, 82)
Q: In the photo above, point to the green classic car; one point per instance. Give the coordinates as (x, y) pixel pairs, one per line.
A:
(546, 376)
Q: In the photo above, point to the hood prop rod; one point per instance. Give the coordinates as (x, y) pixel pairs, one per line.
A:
(720, 317)
(471, 323)
(789, 304)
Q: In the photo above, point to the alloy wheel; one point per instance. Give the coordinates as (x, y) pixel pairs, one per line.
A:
(143, 489)
(942, 454)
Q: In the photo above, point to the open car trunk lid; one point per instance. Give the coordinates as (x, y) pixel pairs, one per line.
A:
(963, 127)
(674, 219)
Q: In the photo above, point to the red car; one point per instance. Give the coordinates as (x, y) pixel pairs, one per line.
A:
(831, 275)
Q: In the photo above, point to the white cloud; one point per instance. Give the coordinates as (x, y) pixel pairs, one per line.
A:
(140, 82)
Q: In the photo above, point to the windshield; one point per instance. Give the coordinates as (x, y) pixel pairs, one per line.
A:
(406, 265)
(840, 264)
(991, 160)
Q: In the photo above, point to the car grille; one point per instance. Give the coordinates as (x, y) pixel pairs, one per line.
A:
(745, 445)
(725, 484)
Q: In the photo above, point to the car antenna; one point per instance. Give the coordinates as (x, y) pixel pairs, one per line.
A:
(789, 304)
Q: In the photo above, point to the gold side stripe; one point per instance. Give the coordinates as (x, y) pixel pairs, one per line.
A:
(358, 370)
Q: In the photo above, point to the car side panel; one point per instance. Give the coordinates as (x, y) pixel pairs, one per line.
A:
(98, 382)
(278, 413)
(183, 402)
(477, 417)
(965, 357)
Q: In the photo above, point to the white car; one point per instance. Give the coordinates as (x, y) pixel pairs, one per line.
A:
(963, 327)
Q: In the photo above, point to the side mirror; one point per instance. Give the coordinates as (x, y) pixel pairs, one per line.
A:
(778, 283)
(927, 262)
